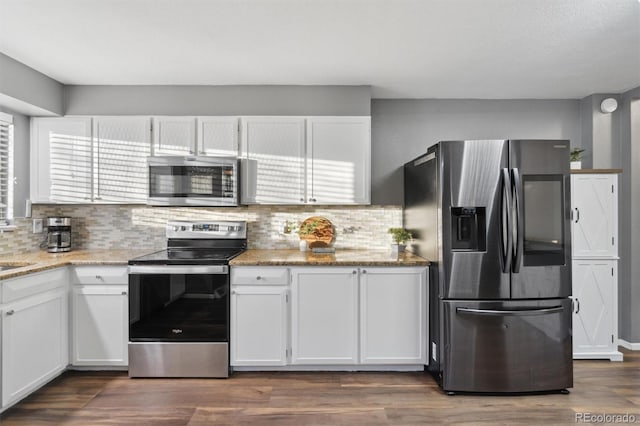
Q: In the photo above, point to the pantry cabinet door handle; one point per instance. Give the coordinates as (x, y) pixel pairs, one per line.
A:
(11, 312)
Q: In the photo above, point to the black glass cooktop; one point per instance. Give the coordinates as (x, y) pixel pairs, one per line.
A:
(188, 257)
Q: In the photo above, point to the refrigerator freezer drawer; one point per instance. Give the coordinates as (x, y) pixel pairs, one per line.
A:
(507, 346)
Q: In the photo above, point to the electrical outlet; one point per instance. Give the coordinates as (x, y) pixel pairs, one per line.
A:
(37, 226)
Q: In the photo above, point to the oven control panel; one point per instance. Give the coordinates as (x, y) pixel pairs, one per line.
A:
(210, 229)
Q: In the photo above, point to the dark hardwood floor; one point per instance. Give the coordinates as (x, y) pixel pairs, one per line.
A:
(86, 398)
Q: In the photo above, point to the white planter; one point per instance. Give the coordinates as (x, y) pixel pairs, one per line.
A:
(575, 165)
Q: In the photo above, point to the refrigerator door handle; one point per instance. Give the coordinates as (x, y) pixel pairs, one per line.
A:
(506, 222)
(510, 313)
(519, 225)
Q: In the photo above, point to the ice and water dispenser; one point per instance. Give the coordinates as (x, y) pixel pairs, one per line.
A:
(468, 229)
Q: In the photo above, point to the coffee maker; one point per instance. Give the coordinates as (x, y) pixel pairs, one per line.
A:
(59, 234)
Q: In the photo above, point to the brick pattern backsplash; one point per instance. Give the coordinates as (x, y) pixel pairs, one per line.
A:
(143, 227)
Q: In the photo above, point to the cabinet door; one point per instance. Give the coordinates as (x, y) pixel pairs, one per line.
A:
(393, 320)
(34, 343)
(60, 160)
(174, 135)
(259, 325)
(120, 151)
(594, 199)
(339, 160)
(272, 151)
(100, 325)
(324, 316)
(218, 136)
(595, 311)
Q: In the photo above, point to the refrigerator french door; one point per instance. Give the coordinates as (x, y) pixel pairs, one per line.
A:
(493, 215)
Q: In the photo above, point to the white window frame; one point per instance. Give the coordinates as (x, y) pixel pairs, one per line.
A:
(6, 223)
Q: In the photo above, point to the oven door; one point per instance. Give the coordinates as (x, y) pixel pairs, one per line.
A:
(193, 181)
(178, 321)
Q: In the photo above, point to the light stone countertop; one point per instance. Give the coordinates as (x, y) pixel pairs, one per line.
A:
(339, 258)
(41, 260)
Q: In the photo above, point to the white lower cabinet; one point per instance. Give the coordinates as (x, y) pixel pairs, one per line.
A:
(259, 318)
(100, 326)
(100, 316)
(324, 315)
(34, 333)
(595, 315)
(328, 316)
(393, 318)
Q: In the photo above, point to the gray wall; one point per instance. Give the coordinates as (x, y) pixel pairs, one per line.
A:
(600, 135)
(21, 160)
(217, 100)
(629, 229)
(404, 129)
(25, 84)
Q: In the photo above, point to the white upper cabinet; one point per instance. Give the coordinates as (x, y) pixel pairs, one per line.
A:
(195, 136)
(174, 135)
(339, 160)
(217, 136)
(85, 160)
(120, 150)
(273, 168)
(594, 199)
(60, 160)
(297, 160)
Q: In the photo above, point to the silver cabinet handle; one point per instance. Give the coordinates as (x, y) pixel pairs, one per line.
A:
(313, 200)
(354, 272)
(577, 305)
(577, 215)
(364, 271)
(124, 293)
(302, 200)
(99, 277)
(258, 278)
(510, 313)
(11, 312)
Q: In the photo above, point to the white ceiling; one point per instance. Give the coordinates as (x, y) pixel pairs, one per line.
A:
(402, 48)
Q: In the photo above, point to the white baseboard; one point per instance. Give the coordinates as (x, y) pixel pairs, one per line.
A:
(629, 345)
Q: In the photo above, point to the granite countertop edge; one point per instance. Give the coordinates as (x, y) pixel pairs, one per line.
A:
(38, 261)
(339, 258)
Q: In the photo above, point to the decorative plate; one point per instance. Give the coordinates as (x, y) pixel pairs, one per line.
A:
(316, 231)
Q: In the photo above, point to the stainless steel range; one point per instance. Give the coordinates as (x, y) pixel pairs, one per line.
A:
(179, 302)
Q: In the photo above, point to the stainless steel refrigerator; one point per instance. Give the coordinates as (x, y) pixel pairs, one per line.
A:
(493, 216)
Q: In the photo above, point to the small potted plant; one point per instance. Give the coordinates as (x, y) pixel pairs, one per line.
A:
(400, 237)
(574, 157)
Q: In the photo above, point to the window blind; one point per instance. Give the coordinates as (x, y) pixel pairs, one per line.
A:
(6, 172)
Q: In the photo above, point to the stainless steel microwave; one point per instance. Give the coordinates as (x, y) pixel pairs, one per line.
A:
(193, 181)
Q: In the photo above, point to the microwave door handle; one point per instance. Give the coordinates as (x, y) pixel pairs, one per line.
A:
(519, 225)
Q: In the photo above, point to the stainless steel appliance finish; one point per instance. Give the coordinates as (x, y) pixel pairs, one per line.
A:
(162, 359)
(58, 234)
(179, 302)
(493, 217)
(193, 181)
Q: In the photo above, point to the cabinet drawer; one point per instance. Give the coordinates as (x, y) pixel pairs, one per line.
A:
(99, 275)
(31, 284)
(259, 275)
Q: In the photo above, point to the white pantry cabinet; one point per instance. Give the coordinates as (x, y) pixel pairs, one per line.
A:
(594, 200)
(100, 316)
(313, 160)
(34, 332)
(259, 316)
(393, 315)
(195, 136)
(324, 317)
(595, 322)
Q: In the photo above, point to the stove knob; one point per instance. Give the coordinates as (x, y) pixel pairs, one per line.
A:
(231, 228)
(183, 228)
(176, 228)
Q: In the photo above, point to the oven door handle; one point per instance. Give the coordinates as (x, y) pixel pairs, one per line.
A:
(178, 269)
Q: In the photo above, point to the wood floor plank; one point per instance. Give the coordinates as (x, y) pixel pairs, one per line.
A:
(301, 398)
